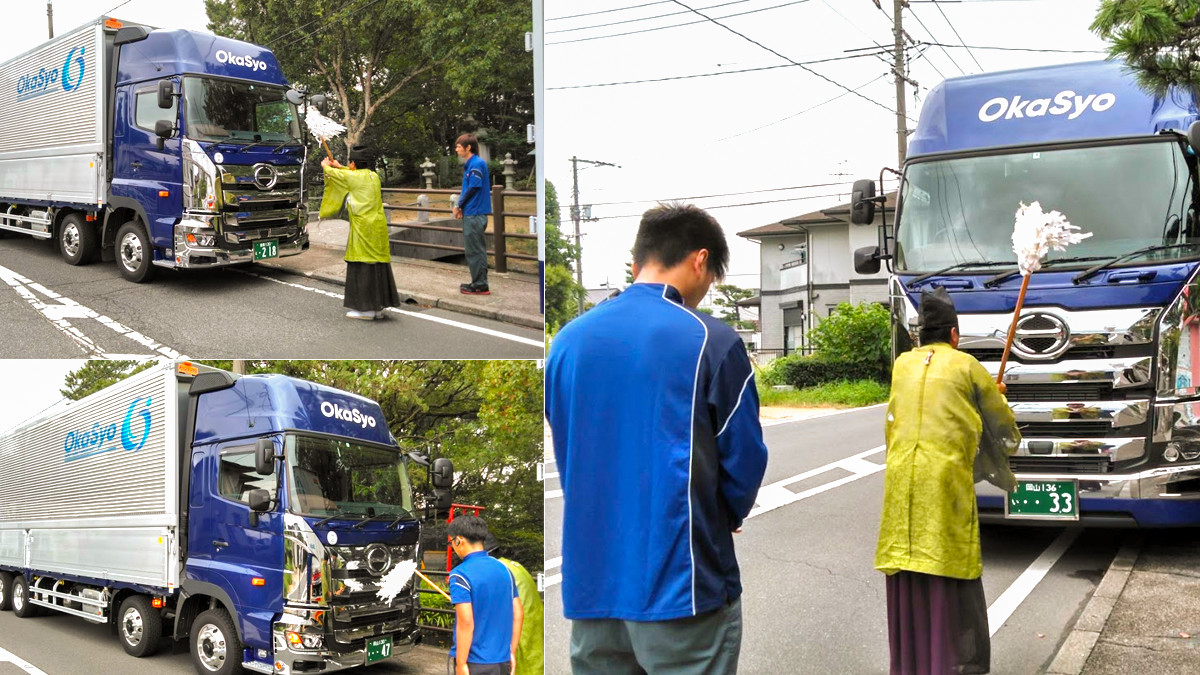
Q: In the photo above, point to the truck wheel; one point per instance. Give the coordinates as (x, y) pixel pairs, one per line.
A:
(135, 254)
(5, 591)
(20, 598)
(140, 626)
(77, 241)
(215, 645)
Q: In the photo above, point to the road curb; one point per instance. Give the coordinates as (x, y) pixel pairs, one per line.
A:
(517, 319)
(1077, 648)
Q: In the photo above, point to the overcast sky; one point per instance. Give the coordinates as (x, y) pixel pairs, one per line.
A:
(748, 134)
(30, 386)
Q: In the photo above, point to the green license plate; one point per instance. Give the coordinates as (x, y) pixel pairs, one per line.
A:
(379, 649)
(1044, 500)
(266, 249)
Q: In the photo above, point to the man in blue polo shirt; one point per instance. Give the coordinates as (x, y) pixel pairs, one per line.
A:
(488, 611)
(654, 415)
(474, 206)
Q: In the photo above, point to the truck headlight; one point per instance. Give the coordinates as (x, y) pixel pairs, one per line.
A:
(304, 640)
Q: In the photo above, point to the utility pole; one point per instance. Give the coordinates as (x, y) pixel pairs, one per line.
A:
(50, 17)
(898, 71)
(577, 216)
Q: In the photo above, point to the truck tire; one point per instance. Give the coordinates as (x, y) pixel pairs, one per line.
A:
(214, 643)
(5, 591)
(20, 598)
(139, 626)
(135, 254)
(77, 240)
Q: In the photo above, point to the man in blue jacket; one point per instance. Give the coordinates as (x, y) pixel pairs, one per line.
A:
(474, 206)
(487, 610)
(654, 416)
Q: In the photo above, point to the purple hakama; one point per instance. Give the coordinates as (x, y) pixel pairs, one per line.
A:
(937, 625)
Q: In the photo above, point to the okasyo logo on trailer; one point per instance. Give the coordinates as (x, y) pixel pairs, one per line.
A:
(48, 80)
(1064, 102)
(129, 434)
(352, 415)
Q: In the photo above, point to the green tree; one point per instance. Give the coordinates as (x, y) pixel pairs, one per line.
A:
(854, 334)
(728, 296)
(1159, 39)
(562, 291)
(97, 374)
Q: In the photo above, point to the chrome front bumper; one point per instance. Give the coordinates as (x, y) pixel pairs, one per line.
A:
(193, 255)
(287, 656)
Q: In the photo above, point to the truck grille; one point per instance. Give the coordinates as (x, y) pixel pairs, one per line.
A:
(1101, 391)
(1073, 353)
(1078, 429)
(1067, 465)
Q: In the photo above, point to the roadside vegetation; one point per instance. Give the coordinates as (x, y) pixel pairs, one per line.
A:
(850, 365)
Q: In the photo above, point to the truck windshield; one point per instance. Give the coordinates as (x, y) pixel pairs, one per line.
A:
(226, 110)
(1128, 196)
(338, 478)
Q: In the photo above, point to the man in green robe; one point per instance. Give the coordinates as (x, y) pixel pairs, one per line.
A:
(948, 425)
(531, 647)
(370, 284)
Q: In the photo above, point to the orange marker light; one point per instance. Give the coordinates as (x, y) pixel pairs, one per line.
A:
(113, 23)
(293, 638)
(258, 581)
(187, 368)
(157, 603)
(164, 193)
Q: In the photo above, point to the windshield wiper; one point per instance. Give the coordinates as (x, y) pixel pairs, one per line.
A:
(407, 515)
(1093, 271)
(284, 144)
(1005, 276)
(366, 519)
(336, 515)
(958, 266)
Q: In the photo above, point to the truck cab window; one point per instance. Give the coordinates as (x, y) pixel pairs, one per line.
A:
(237, 477)
(147, 112)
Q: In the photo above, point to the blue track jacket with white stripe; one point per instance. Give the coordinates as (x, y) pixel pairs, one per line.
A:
(660, 454)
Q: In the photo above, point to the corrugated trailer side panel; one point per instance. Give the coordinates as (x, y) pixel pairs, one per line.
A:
(92, 490)
(52, 104)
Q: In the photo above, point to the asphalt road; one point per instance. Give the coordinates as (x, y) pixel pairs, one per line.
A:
(813, 603)
(49, 309)
(65, 645)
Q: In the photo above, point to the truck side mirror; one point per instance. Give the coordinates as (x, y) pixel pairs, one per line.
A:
(441, 475)
(866, 260)
(260, 500)
(166, 94)
(164, 129)
(264, 457)
(1193, 135)
(319, 101)
(862, 202)
(294, 96)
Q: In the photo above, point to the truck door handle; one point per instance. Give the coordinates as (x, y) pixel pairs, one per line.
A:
(220, 543)
(135, 164)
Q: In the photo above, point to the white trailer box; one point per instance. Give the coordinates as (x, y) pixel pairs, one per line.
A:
(92, 489)
(52, 111)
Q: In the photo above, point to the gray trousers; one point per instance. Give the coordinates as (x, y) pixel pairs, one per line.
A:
(708, 644)
(476, 248)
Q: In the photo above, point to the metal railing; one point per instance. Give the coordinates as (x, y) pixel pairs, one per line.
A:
(435, 610)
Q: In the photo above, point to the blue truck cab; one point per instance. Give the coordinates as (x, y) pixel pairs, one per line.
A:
(1106, 351)
(153, 148)
(256, 517)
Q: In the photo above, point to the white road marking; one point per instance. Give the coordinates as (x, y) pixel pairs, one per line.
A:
(553, 474)
(1015, 594)
(775, 495)
(418, 315)
(553, 494)
(9, 657)
(552, 563)
(64, 308)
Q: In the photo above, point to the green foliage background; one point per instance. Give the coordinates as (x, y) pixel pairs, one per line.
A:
(852, 343)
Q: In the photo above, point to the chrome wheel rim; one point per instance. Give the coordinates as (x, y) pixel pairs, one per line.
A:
(18, 602)
(2, 595)
(210, 647)
(131, 626)
(131, 251)
(70, 239)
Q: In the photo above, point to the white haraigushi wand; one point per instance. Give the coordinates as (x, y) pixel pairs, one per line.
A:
(323, 128)
(395, 581)
(1035, 233)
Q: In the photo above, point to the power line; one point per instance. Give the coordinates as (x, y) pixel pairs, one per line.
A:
(678, 25)
(116, 8)
(316, 20)
(936, 43)
(1020, 49)
(608, 11)
(645, 18)
(733, 206)
(810, 70)
(713, 74)
(813, 107)
(960, 40)
(726, 194)
(921, 55)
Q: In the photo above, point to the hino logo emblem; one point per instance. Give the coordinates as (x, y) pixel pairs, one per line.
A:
(378, 558)
(1041, 336)
(265, 176)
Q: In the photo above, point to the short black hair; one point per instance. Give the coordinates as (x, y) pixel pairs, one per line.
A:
(935, 334)
(470, 142)
(363, 156)
(669, 233)
(471, 528)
